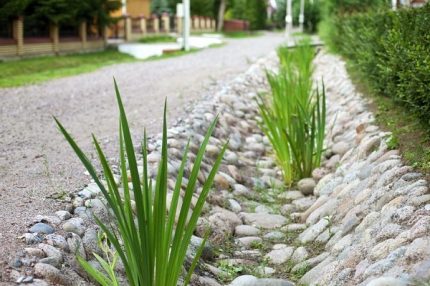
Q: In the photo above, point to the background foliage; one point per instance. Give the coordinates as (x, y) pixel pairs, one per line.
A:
(60, 11)
(254, 11)
(392, 51)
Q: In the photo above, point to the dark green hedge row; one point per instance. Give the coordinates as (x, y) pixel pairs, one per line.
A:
(392, 51)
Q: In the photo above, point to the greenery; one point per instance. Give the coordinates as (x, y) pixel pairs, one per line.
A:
(242, 34)
(293, 118)
(157, 39)
(61, 11)
(150, 247)
(35, 70)
(392, 50)
(253, 11)
(409, 134)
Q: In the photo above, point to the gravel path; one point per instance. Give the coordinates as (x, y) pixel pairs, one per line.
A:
(35, 161)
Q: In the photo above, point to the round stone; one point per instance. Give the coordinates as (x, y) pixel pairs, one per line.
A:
(306, 186)
(42, 228)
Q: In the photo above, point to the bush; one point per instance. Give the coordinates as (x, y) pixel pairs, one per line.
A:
(253, 11)
(392, 52)
(150, 247)
(293, 117)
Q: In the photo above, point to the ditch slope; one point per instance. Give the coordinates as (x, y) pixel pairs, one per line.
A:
(362, 219)
(36, 164)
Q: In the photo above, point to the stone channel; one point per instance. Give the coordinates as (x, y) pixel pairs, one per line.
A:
(362, 219)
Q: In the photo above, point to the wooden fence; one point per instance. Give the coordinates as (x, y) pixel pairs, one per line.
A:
(133, 28)
(20, 46)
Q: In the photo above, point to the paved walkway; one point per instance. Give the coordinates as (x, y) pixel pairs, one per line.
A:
(35, 161)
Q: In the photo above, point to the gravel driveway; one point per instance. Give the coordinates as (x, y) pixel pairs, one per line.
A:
(36, 162)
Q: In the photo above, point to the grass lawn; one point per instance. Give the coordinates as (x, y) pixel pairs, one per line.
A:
(409, 134)
(35, 70)
(157, 39)
(242, 34)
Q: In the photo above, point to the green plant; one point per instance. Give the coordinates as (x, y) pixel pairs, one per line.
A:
(151, 249)
(293, 118)
(392, 52)
(229, 270)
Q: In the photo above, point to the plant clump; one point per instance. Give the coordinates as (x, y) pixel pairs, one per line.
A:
(294, 113)
(146, 240)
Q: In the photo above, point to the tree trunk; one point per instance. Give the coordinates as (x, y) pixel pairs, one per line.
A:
(221, 12)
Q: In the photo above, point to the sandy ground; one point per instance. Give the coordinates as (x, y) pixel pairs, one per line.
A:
(36, 162)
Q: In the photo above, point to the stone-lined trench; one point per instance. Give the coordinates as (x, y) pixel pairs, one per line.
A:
(362, 219)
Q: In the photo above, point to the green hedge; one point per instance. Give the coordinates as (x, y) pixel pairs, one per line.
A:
(392, 51)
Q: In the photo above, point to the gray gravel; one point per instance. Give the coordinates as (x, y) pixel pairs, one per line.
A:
(35, 161)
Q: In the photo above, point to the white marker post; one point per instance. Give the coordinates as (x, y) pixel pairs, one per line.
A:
(394, 4)
(289, 19)
(302, 15)
(186, 30)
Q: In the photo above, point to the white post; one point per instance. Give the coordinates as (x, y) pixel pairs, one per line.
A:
(302, 14)
(124, 7)
(394, 4)
(289, 19)
(186, 34)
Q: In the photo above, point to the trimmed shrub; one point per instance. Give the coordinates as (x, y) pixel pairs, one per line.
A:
(392, 52)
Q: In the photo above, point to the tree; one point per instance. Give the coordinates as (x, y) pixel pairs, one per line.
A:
(256, 14)
(61, 11)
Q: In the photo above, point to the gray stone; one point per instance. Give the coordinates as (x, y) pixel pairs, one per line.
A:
(74, 225)
(299, 255)
(310, 262)
(313, 231)
(388, 281)
(280, 256)
(287, 209)
(42, 228)
(32, 238)
(52, 220)
(274, 235)
(248, 241)
(207, 281)
(195, 244)
(267, 221)
(246, 230)
(262, 209)
(99, 209)
(290, 195)
(63, 215)
(340, 148)
(306, 186)
(234, 205)
(90, 242)
(303, 203)
(36, 252)
(273, 282)
(244, 280)
(319, 173)
(294, 227)
(51, 274)
(51, 251)
(51, 261)
(76, 245)
(57, 241)
(234, 172)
